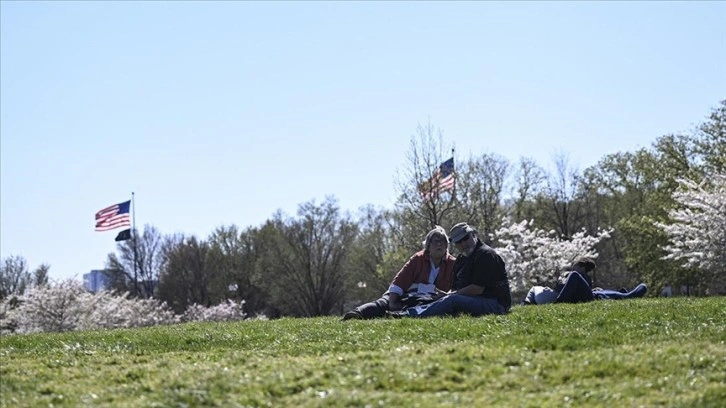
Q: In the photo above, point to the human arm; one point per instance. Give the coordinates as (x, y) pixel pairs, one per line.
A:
(402, 282)
(487, 270)
(445, 279)
(405, 277)
(440, 293)
(468, 290)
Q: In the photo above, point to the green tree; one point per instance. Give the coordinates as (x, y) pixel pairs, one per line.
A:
(40, 275)
(14, 276)
(237, 255)
(420, 206)
(529, 182)
(638, 188)
(138, 264)
(368, 264)
(481, 184)
(559, 205)
(186, 276)
(709, 141)
(306, 257)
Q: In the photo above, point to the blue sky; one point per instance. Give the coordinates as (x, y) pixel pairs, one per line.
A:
(219, 113)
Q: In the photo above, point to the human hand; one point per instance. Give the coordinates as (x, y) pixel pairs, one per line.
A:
(440, 293)
(395, 305)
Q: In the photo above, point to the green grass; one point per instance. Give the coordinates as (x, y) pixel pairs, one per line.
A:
(644, 352)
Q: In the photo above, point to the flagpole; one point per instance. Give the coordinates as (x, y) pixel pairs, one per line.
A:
(453, 189)
(134, 233)
(133, 212)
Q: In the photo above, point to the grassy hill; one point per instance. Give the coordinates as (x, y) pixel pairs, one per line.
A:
(643, 352)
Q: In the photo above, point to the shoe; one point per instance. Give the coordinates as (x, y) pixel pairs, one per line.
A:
(352, 315)
(639, 291)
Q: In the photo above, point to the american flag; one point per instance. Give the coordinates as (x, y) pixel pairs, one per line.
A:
(113, 217)
(442, 180)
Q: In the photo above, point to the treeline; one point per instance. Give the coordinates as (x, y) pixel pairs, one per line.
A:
(323, 257)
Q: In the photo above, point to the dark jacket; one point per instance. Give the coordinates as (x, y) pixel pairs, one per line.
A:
(484, 267)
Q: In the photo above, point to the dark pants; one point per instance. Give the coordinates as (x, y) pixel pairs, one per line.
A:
(374, 309)
(576, 290)
(378, 308)
(639, 291)
(455, 304)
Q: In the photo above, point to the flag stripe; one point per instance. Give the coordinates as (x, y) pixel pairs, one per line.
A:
(113, 223)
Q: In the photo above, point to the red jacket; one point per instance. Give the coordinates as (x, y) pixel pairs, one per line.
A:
(418, 269)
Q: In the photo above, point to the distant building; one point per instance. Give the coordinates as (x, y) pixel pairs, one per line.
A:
(96, 280)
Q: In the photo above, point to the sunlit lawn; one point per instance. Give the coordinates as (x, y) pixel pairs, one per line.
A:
(644, 352)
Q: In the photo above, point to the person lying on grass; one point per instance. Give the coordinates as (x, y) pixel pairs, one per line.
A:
(576, 287)
(418, 280)
(481, 286)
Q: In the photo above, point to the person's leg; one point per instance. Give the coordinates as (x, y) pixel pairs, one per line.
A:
(639, 291)
(479, 306)
(529, 299)
(369, 310)
(540, 295)
(576, 290)
(456, 304)
(439, 307)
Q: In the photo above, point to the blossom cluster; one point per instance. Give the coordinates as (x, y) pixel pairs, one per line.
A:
(67, 306)
(223, 312)
(698, 229)
(536, 257)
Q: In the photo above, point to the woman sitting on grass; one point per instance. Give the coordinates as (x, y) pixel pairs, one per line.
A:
(577, 287)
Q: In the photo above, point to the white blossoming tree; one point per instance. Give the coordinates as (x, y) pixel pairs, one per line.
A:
(223, 312)
(534, 256)
(67, 306)
(698, 228)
